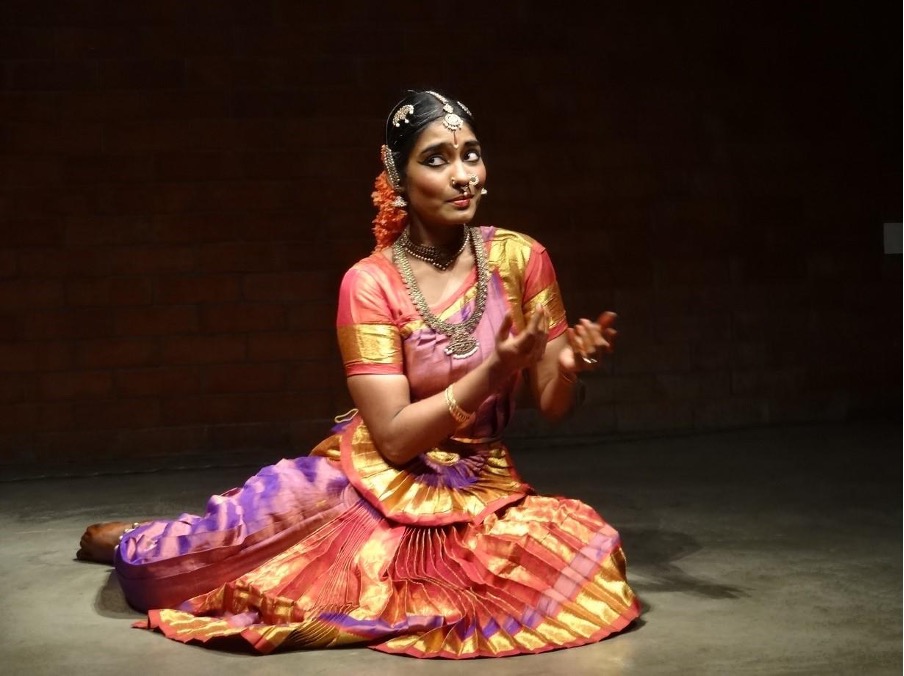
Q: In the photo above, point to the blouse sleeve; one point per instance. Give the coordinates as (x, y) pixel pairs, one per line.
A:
(369, 339)
(542, 290)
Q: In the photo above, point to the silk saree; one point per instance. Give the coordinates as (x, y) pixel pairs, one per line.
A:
(451, 555)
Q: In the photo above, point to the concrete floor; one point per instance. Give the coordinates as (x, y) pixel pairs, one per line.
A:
(767, 551)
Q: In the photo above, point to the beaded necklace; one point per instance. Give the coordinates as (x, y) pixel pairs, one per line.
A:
(439, 258)
(461, 343)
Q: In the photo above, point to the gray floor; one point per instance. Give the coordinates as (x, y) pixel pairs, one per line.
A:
(770, 551)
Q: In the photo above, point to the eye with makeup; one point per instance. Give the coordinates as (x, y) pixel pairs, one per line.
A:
(469, 156)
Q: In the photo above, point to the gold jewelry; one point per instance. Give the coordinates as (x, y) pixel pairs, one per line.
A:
(483, 191)
(391, 171)
(462, 417)
(439, 258)
(451, 121)
(473, 180)
(461, 343)
(399, 202)
(401, 115)
(568, 378)
(578, 389)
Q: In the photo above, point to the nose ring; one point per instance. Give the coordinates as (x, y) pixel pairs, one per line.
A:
(473, 179)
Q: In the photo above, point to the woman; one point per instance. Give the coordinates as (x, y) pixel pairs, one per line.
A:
(408, 529)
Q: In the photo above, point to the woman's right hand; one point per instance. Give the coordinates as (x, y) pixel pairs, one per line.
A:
(517, 351)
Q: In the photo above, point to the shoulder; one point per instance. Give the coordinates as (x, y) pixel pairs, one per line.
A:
(510, 238)
(511, 247)
(373, 270)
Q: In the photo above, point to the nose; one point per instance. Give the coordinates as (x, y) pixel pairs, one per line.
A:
(470, 180)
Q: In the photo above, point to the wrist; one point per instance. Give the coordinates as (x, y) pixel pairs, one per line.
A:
(576, 384)
(497, 371)
(568, 376)
(460, 416)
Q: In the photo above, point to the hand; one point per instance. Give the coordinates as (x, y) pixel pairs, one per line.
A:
(524, 349)
(587, 342)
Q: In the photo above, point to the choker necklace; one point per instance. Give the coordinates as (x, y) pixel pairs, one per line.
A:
(461, 343)
(439, 258)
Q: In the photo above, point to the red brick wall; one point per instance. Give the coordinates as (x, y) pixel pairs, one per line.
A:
(182, 185)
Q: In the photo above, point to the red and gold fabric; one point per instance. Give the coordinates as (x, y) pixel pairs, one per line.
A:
(451, 555)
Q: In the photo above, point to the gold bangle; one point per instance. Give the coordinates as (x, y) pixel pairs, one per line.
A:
(569, 377)
(461, 416)
(578, 391)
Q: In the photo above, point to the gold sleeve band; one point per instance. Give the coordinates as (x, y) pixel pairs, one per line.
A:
(370, 344)
(552, 301)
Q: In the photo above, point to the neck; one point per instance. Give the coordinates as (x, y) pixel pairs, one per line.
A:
(443, 237)
(440, 257)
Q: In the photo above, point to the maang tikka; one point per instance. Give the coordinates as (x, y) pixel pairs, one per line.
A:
(451, 121)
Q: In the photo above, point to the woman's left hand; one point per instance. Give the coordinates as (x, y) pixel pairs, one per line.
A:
(587, 343)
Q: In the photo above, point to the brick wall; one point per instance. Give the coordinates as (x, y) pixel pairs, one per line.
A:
(183, 184)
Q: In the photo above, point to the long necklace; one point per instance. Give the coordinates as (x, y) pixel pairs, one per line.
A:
(439, 258)
(461, 343)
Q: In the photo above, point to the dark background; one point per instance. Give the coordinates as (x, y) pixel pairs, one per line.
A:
(182, 185)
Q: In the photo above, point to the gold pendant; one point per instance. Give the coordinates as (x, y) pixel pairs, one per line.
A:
(461, 346)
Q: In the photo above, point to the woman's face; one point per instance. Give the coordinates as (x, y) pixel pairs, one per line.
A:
(437, 178)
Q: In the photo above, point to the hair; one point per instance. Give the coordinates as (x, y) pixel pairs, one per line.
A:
(391, 220)
(427, 109)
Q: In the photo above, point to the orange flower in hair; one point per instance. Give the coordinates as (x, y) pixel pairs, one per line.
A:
(390, 220)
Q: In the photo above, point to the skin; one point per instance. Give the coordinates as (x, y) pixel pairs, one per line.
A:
(99, 541)
(441, 199)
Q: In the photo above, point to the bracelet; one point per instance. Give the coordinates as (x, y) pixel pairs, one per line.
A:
(569, 377)
(129, 530)
(580, 391)
(461, 416)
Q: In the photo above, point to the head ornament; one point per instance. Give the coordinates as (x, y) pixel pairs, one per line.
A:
(451, 121)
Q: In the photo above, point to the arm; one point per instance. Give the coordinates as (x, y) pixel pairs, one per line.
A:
(402, 429)
(554, 379)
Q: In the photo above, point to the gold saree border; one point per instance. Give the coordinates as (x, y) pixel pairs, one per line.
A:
(399, 495)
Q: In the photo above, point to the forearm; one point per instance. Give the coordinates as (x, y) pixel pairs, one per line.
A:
(559, 396)
(557, 388)
(402, 434)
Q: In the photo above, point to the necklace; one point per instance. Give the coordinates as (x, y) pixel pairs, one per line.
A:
(461, 343)
(439, 258)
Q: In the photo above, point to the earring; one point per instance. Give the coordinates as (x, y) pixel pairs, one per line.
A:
(483, 191)
(399, 202)
(389, 164)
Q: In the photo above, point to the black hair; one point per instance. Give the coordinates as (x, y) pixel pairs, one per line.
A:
(427, 108)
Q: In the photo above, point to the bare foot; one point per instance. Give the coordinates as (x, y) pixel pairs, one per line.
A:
(99, 541)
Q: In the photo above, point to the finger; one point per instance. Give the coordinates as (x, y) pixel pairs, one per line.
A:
(572, 339)
(543, 337)
(606, 319)
(544, 325)
(505, 328)
(539, 320)
(582, 339)
(568, 355)
(609, 336)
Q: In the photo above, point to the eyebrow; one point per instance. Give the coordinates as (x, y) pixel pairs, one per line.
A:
(445, 145)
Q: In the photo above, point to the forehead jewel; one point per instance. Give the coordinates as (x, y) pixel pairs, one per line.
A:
(451, 121)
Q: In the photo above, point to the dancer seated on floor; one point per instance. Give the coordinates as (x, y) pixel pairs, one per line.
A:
(408, 529)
